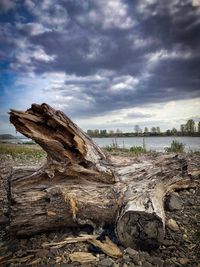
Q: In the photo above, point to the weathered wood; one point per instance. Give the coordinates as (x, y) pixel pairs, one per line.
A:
(5, 174)
(80, 185)
(68, 148)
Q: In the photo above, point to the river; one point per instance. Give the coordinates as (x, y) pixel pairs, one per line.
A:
(154, 143)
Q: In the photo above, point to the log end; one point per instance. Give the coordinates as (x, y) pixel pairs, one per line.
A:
(141, 230)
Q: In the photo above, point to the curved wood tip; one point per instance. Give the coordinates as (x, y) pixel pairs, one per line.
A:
(62, 139)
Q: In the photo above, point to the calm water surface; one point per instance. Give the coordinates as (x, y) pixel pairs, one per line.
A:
(154, 143)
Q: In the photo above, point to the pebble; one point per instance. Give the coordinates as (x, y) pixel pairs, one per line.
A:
(136, 259)
(184, 261)
(174, 202)
(126, 258)
(107, 262)
(146, 264)
(167, 242)
(131, 251)
(156, 261)
(185, 237)
(192, 191)
(172, 224)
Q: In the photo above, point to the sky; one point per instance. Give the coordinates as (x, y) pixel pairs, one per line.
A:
(108, 64)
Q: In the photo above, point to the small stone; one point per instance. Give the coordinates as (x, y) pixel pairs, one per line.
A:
(131, 251)
(184, 261)
(168, 262)
(167, 242)
(131, 264)
(192, 191)
(185, 237)
(42, 253)
(156, 261)
(173, 202)
(136, 259)
(172, 224)
(126, 258)
(107, 262)
(146, 264)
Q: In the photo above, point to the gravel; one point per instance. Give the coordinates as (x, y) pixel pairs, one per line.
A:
(179, 248)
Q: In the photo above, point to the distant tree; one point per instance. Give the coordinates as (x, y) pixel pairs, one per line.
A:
(146, 130)
(190, 126)
(103, 132)
(174, 131)
(182, 129)
(118, 131)
(111, 132)
(153, 130)
(90, 132)
(198, 127)
(96, 132)
(168, 132)
(158, 130)
(137, 129)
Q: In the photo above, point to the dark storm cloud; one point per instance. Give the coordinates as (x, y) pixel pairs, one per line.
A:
(117, 54)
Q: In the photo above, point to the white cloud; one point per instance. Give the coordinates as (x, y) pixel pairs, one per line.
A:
(49, 14)
(125, 82)
(109, 14)
(27, 52)
(33, 28)
(40, 54)
(167, 116)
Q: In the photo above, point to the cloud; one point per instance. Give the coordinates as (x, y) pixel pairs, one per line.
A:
(32, 28)
(96, 58)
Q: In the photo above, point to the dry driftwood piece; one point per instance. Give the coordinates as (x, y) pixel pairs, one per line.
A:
(107, 246)
(82, 257)
(80, 185)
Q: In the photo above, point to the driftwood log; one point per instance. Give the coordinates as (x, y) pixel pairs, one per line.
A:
(80, 185)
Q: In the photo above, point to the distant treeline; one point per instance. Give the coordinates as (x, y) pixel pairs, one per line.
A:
(188, 129)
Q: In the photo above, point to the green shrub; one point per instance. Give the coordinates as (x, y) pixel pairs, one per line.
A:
(137, 150)
(176, 147)
(108, 148)
(29, 143)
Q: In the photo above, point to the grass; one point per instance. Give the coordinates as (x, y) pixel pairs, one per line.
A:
(176, 147)
(134, 150)
(137, 150)
(22, 151)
